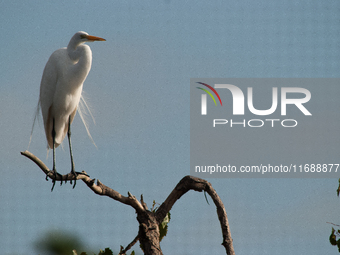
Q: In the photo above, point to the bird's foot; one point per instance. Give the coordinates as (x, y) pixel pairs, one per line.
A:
(75, 177)
(55, 173)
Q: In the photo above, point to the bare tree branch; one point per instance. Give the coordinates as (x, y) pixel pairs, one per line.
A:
(98, 188)
(197, 184)
(148, 234)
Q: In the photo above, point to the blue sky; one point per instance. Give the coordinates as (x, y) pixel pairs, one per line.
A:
(138, 90)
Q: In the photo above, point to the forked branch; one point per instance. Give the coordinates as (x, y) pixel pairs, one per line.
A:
(197, 184)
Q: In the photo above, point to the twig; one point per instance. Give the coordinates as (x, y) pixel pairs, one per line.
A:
(134, 241)
(333, 224)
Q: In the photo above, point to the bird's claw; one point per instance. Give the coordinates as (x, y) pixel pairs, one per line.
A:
(55, 173)
(75, 178)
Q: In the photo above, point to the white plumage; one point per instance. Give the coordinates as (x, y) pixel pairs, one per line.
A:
(61, 87)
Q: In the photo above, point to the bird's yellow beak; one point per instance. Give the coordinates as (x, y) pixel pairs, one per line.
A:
(94, 38)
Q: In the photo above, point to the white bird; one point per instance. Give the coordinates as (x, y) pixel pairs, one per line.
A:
(60, 90)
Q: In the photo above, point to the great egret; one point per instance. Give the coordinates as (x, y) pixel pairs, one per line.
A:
(60, 90)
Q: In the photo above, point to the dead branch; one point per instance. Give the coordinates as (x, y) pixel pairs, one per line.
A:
(197, 184)
(98, 188)
(148, 234)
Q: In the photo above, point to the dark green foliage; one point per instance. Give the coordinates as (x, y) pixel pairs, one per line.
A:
(58, 243)
(334, 235)
(64, 243)
(106, 252)
(332, 238)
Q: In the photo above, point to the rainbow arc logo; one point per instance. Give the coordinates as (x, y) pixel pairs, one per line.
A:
(204, 97)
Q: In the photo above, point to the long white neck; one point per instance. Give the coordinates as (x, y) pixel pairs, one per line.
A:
(81, 56)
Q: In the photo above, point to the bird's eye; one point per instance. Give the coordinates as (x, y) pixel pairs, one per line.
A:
(82, 36)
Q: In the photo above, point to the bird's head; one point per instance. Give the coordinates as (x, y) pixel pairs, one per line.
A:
(78, 39)
(85, 37)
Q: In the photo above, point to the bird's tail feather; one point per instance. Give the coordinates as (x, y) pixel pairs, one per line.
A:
(36, 116)
(84, 109)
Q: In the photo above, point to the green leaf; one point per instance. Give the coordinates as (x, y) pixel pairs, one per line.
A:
(133, 253)
(163, 227)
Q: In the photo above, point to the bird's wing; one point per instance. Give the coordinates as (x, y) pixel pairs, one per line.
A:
(48, 84)
(47, 90)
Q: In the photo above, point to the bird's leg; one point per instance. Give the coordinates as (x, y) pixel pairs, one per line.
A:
(53, 169)
(71, 155)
